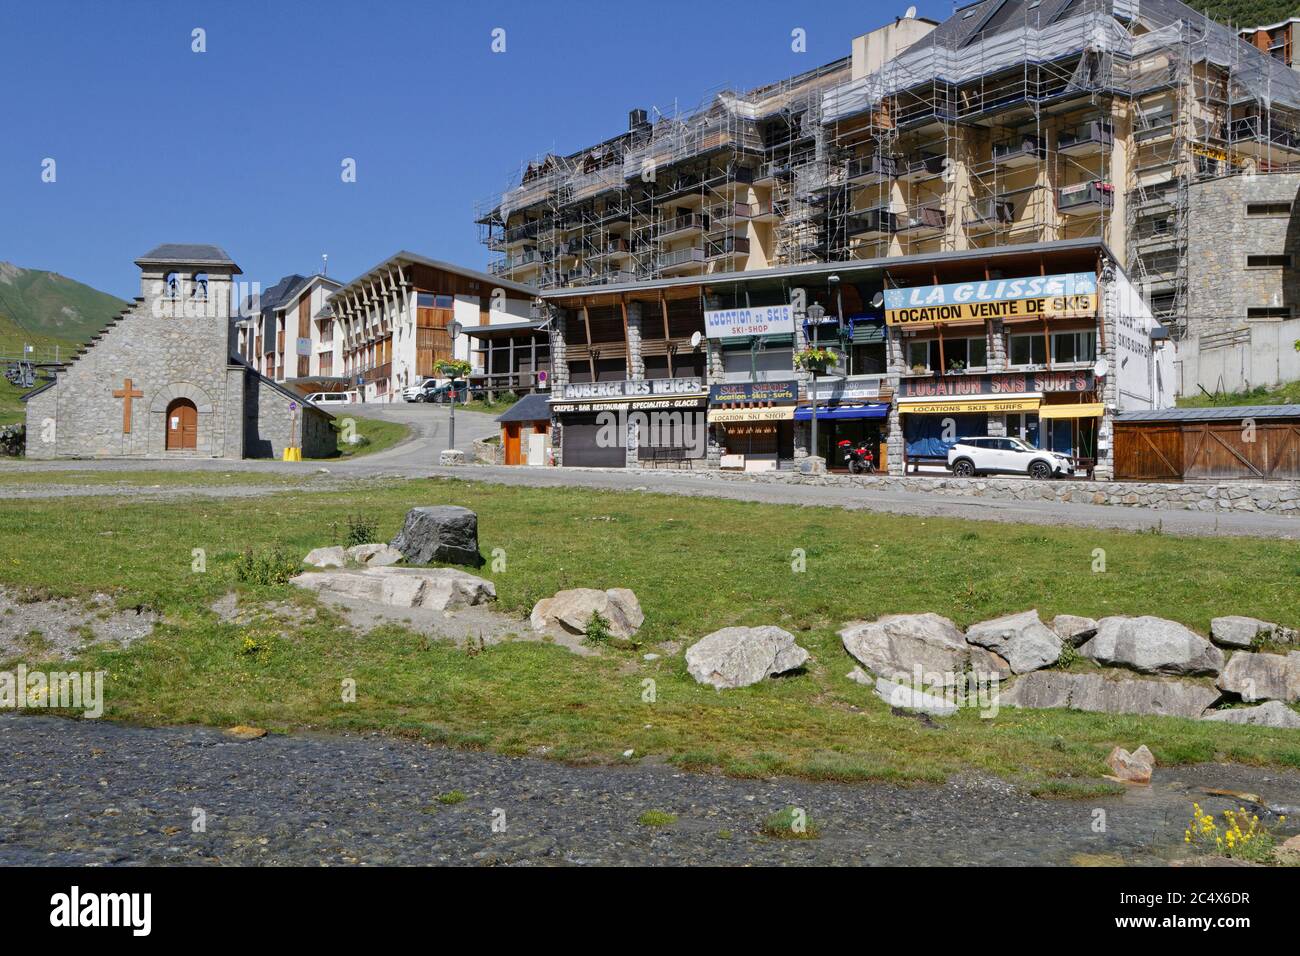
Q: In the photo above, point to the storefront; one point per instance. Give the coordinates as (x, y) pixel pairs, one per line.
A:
(856, 411)
(753, 423)
(644, 422)
(1050, 410)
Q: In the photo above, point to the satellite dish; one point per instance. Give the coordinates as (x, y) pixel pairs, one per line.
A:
(878, 300)
(696, 338)
(910, 14)
(1101, 369)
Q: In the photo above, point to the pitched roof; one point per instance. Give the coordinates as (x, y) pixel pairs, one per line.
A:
(404, 256)
(530, 408)
(188, 254)
(1210, 414)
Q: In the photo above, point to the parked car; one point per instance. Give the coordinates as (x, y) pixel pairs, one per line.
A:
(441, 392)
(412, 392)
(1005, 456)
(327, 399)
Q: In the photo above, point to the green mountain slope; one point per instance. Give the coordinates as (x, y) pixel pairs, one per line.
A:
(1248, 13)
(46, 308)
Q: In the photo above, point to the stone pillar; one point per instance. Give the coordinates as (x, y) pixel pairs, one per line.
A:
(559, 374)
(1108, 392)
(895, 363)
(635, 362)
(714, 374)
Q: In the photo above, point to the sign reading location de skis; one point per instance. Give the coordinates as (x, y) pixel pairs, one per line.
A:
(1069, 294)
(751, 320)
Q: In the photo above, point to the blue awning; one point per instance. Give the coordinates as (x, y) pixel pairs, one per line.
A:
(804, 412)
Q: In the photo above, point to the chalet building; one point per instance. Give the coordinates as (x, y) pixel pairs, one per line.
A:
(1047, 342)
(392, 325)
(165, 378)
(290, 338)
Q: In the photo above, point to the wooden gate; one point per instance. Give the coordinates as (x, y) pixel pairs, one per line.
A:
(1229, 449)
(1149, 452)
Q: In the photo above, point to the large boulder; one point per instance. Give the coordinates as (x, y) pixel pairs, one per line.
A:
(1073, 629)
(1263, 676)
(1243, 632)
(439, 589)
(1098, 693)
(908, 698)
(1274, 713)
(374, 555)
(1022, 640)
(1152, 645)
(444, 533)
(896, 645)
(326, 558)
(740, 656)
(572, 611)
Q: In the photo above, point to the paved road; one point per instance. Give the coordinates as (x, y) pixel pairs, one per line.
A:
(91, 792)
(418, 456)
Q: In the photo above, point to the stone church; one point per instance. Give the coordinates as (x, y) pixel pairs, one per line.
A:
(163, 378)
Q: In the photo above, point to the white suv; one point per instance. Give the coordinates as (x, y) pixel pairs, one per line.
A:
(1007, 456)
(415, 393)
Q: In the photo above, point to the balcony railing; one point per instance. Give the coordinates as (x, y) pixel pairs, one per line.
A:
(872, 222)
(1085, 198)
(990, 212)
(728, 246)
(1092, 137)
(923, 219)
(923, 166)
(668, 260)
(1020, 151)
(865, 170)
(689, 222)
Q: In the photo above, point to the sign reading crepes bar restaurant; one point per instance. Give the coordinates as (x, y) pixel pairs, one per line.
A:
(1002, 383)
(778, 393)
(1056, 296)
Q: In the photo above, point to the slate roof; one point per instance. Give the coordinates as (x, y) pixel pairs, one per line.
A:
(530, 408)
(1216, 413)
(189, 254)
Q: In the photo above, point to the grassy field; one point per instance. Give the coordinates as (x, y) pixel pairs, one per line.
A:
(1288, 394)
(11, 408)
(490, 408)
(696, 565)
(13, 477)
(378, 435)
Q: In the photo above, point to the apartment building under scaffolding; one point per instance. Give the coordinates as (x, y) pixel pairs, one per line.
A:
(1011, 122)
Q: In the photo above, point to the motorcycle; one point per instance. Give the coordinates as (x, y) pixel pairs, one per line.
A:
(860, 458)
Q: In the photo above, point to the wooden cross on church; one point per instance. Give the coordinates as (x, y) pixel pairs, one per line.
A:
(128, 393)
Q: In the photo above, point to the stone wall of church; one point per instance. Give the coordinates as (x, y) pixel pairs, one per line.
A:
(270, 425)
(165, 358)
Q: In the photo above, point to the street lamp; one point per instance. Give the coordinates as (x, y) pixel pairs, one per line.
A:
(453, 332)
(815, 315)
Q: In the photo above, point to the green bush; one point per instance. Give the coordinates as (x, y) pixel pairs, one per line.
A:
(265, 567)
(361, 530)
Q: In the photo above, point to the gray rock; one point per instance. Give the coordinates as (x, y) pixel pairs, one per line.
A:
(1263, 676)
(896, 645)
(442, 533)
(1024, 641)
(439, 589)
(1073, 629)
(1243, 632)
(326, 558)
(374, 555)
(451, 457)
(1132, 767)
(859, 676)
(1274, 713)
(572, 611)
(1097, 693)
(907, 698)
(1152, 645)
(740, 656)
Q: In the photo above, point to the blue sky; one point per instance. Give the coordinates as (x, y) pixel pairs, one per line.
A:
(242, 145)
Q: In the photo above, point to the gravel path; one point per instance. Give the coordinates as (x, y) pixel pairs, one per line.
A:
(92, 792)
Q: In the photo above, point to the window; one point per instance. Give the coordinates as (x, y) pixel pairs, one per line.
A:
(918, 355)
(867, 359)
(1074, 346)
(964, 354)
(1266, 314)
(1028, 350)
(1268, 262)
(1268, 209)
(428, 300)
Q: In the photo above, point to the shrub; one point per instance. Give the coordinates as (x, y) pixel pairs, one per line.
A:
(598, 631)
(265, 567)
(13, 440)
(790, 824)
(656, 818)
(451, 797)
(1241, 836)
(361, 530)
(1069, 655)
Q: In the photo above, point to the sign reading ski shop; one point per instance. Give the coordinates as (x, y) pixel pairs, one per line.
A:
(756, 320)
(1072, 294)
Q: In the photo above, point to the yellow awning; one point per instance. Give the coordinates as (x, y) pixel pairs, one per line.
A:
(1091, 410)
(962, 406)
(781, 413)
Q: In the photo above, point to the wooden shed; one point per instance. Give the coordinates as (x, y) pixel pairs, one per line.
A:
(1244, 442)
(525, 431)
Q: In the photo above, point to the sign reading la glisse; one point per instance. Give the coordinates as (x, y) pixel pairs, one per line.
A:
(1069, 294)
(1005, 383)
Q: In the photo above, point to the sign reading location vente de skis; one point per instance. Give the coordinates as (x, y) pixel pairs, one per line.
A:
(1073, 293)
(755, 320)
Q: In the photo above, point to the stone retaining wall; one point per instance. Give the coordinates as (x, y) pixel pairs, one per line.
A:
(1281, 498)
